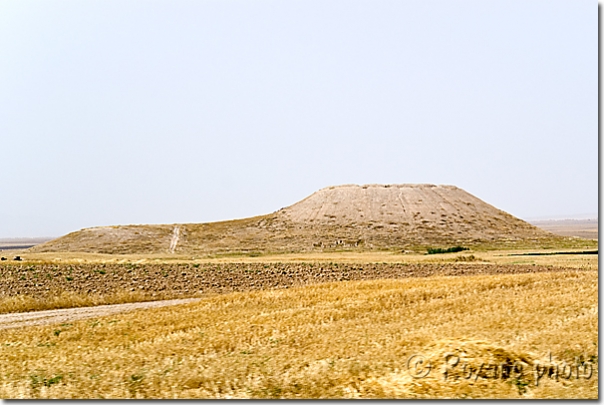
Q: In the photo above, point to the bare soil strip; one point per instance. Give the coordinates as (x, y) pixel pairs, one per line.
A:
(169, 281)
(26, 287)
(9, 321)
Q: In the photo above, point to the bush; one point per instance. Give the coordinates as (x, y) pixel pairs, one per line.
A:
(433, 251)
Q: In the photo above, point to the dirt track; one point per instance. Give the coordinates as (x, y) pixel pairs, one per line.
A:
(188, 280)
(54, 316)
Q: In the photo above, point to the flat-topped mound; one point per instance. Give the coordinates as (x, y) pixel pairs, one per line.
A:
(405, 216)
(403, 205)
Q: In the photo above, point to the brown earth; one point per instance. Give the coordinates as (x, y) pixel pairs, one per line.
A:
(188, 280)
(353, 217)
(54, 316)
(330, 340)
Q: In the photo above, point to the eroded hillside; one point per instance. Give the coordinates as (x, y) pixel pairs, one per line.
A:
(368, 217)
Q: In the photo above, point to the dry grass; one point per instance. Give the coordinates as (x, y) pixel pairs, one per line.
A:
(27, 286)
(335, 340)
(72, 299)
(245, 239)
(493, 256)
(330, 220)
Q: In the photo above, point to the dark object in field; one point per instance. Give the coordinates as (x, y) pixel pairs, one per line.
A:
(3, 258)
(584, 252)
(454, 249)
(17, 258)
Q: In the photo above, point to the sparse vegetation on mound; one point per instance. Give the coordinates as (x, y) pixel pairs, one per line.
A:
(344, 218)
(327, 298)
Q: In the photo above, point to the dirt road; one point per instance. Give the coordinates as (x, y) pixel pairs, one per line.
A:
(180, 281)
(17, 320)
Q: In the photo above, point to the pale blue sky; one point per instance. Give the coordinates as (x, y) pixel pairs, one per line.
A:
(119, 112)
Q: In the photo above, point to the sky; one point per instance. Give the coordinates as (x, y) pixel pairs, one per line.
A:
(131, 112)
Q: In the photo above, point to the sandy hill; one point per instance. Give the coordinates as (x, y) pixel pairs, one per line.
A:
(404, 216)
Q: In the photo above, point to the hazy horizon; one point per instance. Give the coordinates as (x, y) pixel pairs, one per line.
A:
(584, 216)
(125, 112)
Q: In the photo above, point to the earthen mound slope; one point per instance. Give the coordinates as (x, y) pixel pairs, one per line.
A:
(348, 216)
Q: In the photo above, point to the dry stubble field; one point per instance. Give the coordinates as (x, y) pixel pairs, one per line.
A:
(334, 339)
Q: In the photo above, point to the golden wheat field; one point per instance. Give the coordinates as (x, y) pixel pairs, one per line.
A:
(82, 280)
(530, 335)
(299, 200)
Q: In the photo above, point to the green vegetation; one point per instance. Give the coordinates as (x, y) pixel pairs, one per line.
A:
(433, 251)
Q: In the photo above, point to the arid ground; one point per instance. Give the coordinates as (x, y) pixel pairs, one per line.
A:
(512, 319)
(288, 326)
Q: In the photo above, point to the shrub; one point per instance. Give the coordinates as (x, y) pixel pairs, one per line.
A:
(433, 251)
